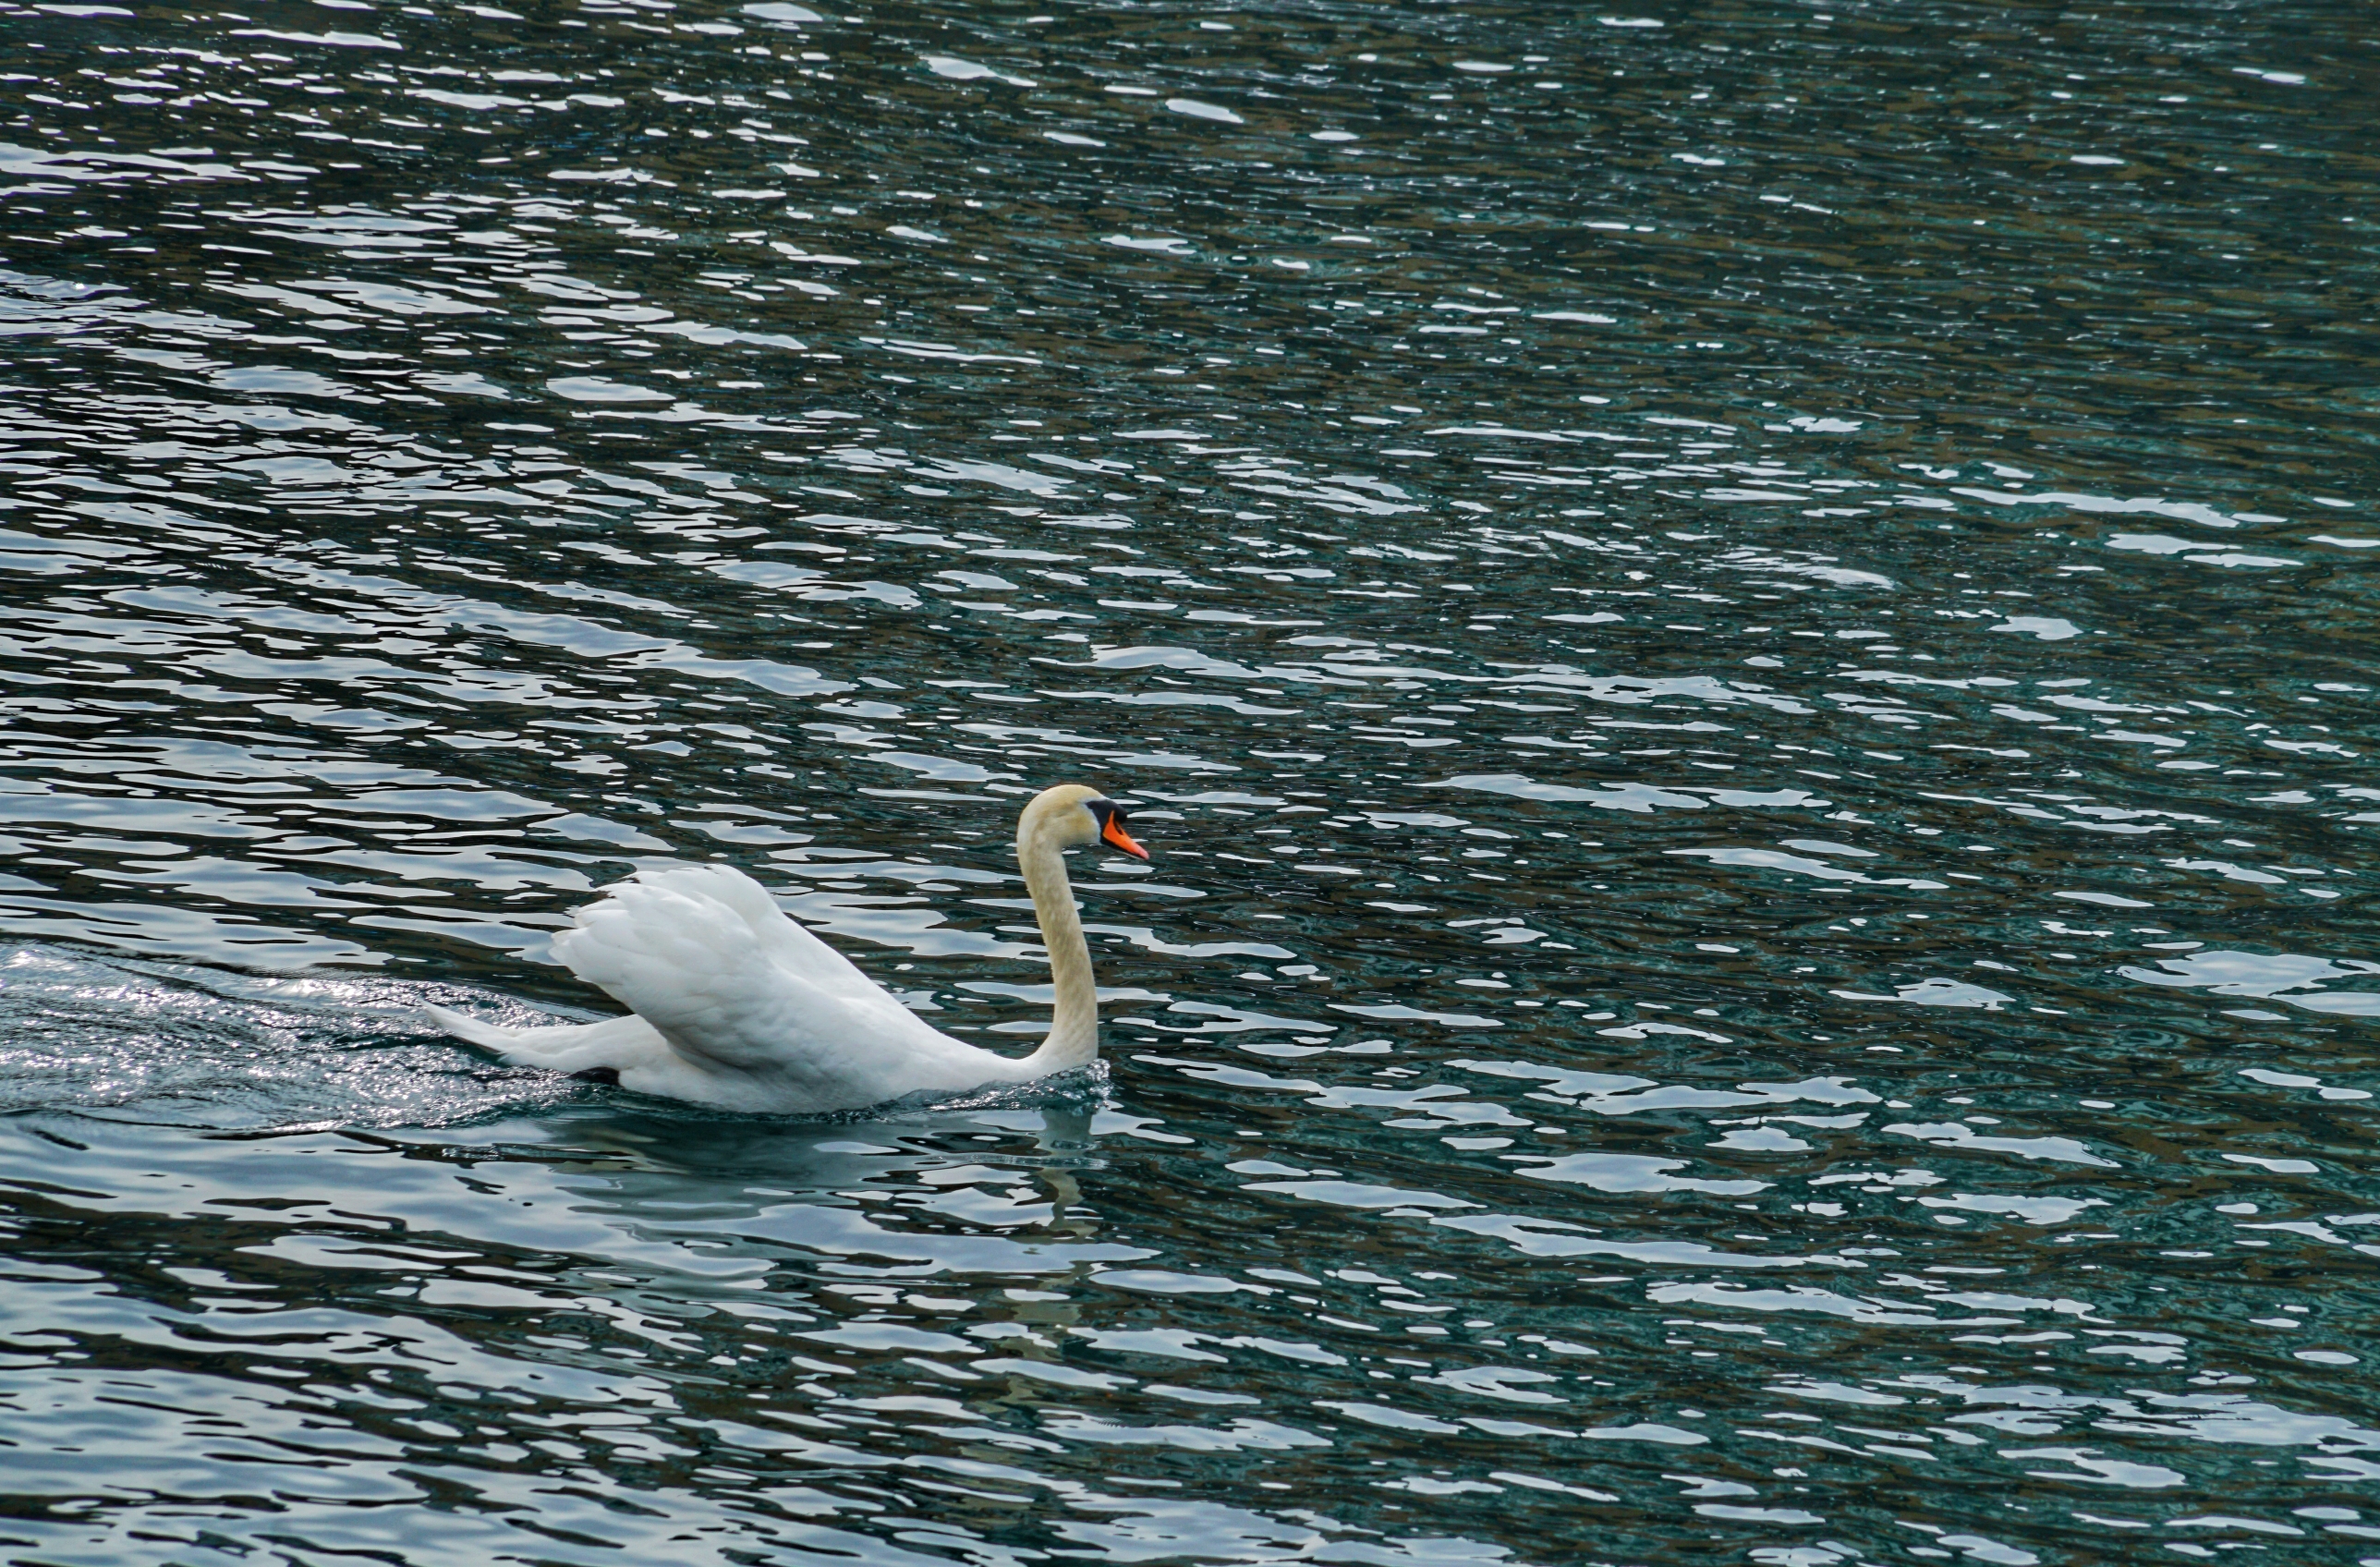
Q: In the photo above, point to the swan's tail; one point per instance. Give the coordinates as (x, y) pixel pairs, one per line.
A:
(620, 1043)
(487, 1036)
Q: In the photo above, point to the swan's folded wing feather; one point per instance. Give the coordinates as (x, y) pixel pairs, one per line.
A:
(789, 943)
(714, 977)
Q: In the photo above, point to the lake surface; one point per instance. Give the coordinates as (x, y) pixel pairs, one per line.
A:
(1743, 633)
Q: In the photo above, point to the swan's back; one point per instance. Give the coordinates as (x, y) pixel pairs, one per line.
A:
(755, 1007)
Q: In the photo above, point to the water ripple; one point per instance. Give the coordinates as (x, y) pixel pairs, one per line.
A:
(1736, 634)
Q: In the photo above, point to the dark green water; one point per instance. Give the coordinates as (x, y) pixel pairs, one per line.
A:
(1744, 632)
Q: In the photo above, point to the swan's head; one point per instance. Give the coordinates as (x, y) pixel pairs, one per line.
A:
(1073, 815)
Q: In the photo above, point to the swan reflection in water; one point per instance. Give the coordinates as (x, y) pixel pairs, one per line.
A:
(721, 1196)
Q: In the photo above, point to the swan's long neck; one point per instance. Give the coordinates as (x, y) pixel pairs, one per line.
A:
(1074, 1025)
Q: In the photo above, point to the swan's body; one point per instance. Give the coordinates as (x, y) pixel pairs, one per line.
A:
(733, 1005)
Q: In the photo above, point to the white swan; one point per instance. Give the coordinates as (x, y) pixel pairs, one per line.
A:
(735, 1005)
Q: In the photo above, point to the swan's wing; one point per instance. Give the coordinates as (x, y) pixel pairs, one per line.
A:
(787, 942)
(704, 955)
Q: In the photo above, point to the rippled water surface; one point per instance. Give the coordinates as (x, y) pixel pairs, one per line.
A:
(1745, 637)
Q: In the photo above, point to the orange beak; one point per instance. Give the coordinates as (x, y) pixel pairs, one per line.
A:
(1114, 835)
